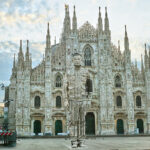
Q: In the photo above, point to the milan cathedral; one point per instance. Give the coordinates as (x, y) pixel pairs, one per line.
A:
(84, 75)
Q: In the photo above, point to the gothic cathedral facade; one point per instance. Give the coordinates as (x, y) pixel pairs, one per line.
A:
(82, 74)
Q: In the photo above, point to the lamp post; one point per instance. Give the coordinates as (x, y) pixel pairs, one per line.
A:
(2, 86)
(6, 106)
(6, 112)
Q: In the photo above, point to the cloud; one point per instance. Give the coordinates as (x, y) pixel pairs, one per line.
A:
(37, 50)
(26, 17)
(132, 1)
(94, 1)
(8, 49)
(13, 19)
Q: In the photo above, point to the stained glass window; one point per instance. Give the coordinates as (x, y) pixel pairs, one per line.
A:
(37, 102)
(87, 56)
(58, 101)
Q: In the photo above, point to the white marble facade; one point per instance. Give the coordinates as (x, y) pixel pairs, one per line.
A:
(116, 90)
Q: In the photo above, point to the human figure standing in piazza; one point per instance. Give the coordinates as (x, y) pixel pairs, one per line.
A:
(75, 86)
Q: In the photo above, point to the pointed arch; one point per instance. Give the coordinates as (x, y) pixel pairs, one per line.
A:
(58, 102)
(88, 55)
(119, 101)
(89, 86)
(138, 101)
(37, 102)
(58, 80)
(118, 81)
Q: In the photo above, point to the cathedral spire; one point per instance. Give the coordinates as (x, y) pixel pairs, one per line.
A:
(14, 67)
(74, 21)
(100, 25)
(55, 40)
(20, 56)
(20, 49)
(66, 27)
(66, 7)
(48, 47)
(149, 57)
(43, 57)
(145, 51)
(27, 51)
(126, 35)
(135, 63)
(118, 45)
(142, 65)
(126, 40)
(106, 20)
(14, 62)
(146, 59)
(48, 28)
(27, 57)
(48, 43)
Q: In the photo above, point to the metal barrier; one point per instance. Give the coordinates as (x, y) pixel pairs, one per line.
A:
(8, 138)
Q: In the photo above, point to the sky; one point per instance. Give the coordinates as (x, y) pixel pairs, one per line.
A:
(27, 19)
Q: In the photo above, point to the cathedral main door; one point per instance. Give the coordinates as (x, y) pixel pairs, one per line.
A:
(140, 125)
(120, 127)
(37, 127)
(58, 127)
(90, 124)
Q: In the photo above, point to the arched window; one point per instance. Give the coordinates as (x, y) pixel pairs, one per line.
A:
(138, 101)
(88, 86)
(119, 101)
(58, 101)
(87, 56)
(117, 81)
(37, 102)
(58, 81)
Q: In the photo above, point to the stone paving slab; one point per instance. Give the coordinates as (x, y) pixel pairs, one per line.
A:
(108, 143)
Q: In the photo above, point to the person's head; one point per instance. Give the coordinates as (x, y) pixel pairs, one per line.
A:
(77, 59)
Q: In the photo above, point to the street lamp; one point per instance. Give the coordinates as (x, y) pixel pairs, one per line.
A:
(2, 86)
(6, 111)
(6, 106)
